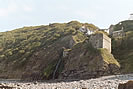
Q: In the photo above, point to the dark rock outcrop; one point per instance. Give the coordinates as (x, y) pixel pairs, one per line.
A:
(128, 85)
(84, 63)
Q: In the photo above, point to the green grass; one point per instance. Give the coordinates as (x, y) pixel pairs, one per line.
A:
(29, 39)
(48, 71)
(127, 25)
(22, 48)
(79, 37)
(107, 57)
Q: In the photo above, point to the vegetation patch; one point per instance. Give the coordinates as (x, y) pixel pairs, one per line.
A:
(107, 57)
(17, 47)
(123, 47)
(48, 72)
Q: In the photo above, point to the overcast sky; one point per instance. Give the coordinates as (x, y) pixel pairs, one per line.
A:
(102, 13)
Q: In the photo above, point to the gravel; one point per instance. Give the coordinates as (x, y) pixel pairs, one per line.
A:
(106, 82)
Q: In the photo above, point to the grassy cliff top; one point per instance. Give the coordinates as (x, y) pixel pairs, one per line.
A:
(19, 44)
(127, 25)
(35, 51)
(107, 57)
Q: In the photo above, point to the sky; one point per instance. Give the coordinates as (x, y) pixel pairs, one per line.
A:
(19, 13)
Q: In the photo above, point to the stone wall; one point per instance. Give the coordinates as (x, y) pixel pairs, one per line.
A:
(118, 34)
(107, 42)
(100, 40)
(96, 40)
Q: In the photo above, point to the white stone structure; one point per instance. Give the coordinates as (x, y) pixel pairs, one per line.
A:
(83, 29)
(118, 34)
(105, 30)
(86, 30)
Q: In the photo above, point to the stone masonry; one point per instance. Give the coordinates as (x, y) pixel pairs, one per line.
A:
(100, 40)
(119, 34)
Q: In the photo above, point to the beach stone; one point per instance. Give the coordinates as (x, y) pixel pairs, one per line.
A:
(128, 85)
(105, 82)
(84, 88)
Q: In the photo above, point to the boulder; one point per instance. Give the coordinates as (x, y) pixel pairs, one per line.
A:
(128, 85)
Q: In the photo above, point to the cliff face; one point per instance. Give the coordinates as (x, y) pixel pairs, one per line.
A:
(123, 46)
(84, 62)
(52, 51)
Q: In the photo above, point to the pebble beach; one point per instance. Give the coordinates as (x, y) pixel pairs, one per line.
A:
(105, 82)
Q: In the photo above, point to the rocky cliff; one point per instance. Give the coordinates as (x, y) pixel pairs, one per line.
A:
(53, 51)
(122, 47)
(84, 62)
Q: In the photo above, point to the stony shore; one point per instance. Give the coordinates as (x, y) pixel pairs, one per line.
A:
(106, 82)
